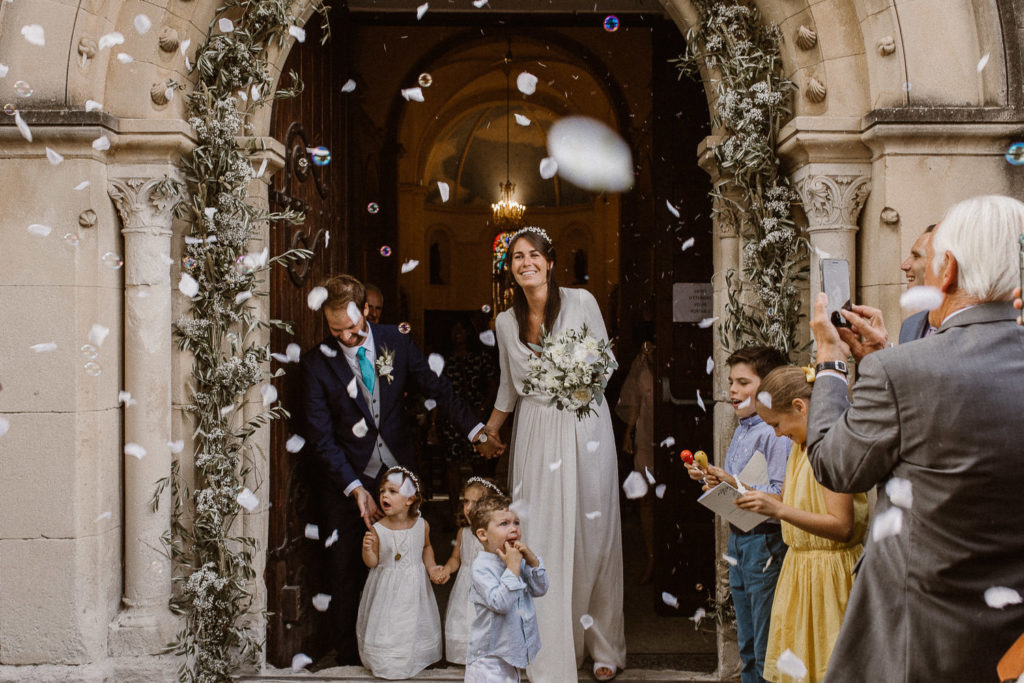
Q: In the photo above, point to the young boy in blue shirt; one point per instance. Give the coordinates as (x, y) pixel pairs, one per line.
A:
(760, 551)
(506, 577)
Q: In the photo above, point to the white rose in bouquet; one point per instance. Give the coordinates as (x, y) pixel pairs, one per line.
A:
(572, 370)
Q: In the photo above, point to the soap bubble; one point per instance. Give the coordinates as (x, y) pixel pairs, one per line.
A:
(385, 250)
(485, 308)
(188, 263)
(1015, 155)
(93, 369)
(373, 207)
(425, 80)
(321, 155)
(10, 109)
(112, 260)
(23, 89)
(404, 328)
(89, 352)
(611, 23)
(71, 238)
(906, 87)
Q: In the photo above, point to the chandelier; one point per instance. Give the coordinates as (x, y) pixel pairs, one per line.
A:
(507, 214)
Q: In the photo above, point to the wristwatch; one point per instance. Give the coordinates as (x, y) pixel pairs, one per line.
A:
(837, 365)
(481, 437)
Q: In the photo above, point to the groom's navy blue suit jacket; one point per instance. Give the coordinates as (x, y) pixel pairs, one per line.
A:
(331, 412)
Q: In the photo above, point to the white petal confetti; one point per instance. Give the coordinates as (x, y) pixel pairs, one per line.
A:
(248, 500)
(134, 450)
(188, 285)
(707, 322)
(888, 523)
(592, 515)
(900, 492)
(53, 157)
(791, 665)
(413, 94)
(765, 399)
(659, 490)
(294, 443)
(101, 143)
(242, 297)
(34, 34)
(332, 539)
(688, 243)
(3, 70)
(110, 40)
(698, 615)
(82, 185)
(479, 3)
(710, 365)
(647, 473)
(44, 347)
(328, 351)
(312, 532)
(586, 621)
(635, 486)
(554, 466)
(522, 120)
(97, 334)
(103, 516)
(591, 155)
(730, 559)
(349, 86)
(5, 425)
(407, 489)
(269, 394)
(299, 661)
(353, 389)
(360, 429)
(297, 33)
(126, 398)
(444, 190)
(436, 363)
(548, 168)
(354, 314)
(23, 128)
(700, 402)
(409, 266)
(176, 446)
(921, 298)
(668, 442)
(421, 10)
(521, 508)
(429, 404)
(294, 352)
(321, 601)
(142, 23)
(226, 410)
(316, 298)
(671, 209)
(527, 83)
(670, 600)
(592, 446)
(40, 230)
(745, 403)
(767, 564)
(225, 25)
(487, 338)
(999, 597)
(185, 44)
(982, 62)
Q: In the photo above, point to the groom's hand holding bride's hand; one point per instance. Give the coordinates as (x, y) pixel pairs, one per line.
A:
(368, 509)
(492, 448)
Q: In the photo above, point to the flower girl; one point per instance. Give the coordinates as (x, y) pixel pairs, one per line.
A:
(459, 617)
(398, 627)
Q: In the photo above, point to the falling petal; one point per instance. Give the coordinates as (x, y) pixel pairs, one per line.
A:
(332, 539)
(999, 597)
(888, 523)
(791, 665)
(248, 500)
(591, 155)
(5, 425)
(698, 615)
(436, 363)
(921, 298)
(3, 70)
(821, 253)
(671, 209)
(142, 24)
(313, 532)
(586, 621)
(44, 347)
(297, 33)
(421, 10)
(299, 661)
(354, 314)
(635, 486)
(34, 34)
(522, 120)
(659, 490)
(353, 390)
(97, 334)
(188, 285)
(592, 446)
(53, 157)
(349, 86)
(707, 322)
(443, 189)
(134, 450)
(521, 508)
(688, 243)
(710, 365)
(269, 394)
(321, 601)
(900, 492)
(226, 410)
(730, 559)
(125, 398)
(316, 298)
(413, 94)
(527, 83)
(110, 40)
(225, 25)
(592, 515)
(479, 3)
(745, 403)
(23, 128)
(765, 399)
(554, 466)
(82, 185)
(176, 446)
(101, 143)
(407, 489)
(767, 564)
(670, 600)
(242, 297)
(103, 516)
(360, 429)
(294, 443)
(185, 45)
(328, 351)
(982, 62)
(429, 404)
(280, 357)
(548, 168)
(487, 338)
(409, 266)
(700, 402)
(668, 442)
(647, 473)
(40, 230)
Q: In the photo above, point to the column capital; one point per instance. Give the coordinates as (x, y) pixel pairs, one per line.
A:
(833, 194)
(145, 203)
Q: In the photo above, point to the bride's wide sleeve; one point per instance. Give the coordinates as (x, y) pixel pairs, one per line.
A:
(507, 396)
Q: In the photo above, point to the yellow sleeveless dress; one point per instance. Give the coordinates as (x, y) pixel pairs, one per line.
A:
(815, 580)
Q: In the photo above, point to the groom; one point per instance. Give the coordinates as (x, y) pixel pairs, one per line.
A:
(355, 382)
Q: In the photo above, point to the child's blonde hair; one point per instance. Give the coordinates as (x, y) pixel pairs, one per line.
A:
(407, 475)
(783, 385)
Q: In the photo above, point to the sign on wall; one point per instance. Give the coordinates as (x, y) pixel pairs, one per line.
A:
(691, 302)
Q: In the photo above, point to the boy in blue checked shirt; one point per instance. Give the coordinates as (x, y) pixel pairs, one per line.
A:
(506, 577)
(760, 551)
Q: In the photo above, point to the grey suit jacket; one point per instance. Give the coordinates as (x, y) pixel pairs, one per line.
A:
(914, 327)
(947, 414)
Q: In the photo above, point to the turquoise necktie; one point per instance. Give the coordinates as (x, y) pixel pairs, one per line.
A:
(365, 369)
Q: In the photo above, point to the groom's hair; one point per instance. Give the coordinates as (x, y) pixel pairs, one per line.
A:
(480, 515)
(341, 289)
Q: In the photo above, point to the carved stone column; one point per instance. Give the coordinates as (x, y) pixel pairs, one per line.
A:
(145, 624)
(833, 196)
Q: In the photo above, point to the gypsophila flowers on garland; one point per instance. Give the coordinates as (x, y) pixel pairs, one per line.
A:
(224, 333)
(572, 370)
(739, 56)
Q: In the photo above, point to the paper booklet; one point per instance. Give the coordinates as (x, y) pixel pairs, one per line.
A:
(756, 471)
(720, 500)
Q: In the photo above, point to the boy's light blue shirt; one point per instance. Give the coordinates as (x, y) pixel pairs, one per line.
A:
(754, 434)
(505, 621)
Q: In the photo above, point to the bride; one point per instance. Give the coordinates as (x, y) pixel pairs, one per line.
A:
(564, 475)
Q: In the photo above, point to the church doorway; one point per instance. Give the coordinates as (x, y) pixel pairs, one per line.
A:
(378, 204)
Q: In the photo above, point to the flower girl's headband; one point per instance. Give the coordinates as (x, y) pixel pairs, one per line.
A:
(486, 484)
(408, 473)
(541, 232)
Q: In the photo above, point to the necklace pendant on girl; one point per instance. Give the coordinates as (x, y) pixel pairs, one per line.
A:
(398, 556)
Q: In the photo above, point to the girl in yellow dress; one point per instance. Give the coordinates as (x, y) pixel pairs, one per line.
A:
(823, 529)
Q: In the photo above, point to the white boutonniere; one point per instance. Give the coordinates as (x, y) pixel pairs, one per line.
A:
(386, 364)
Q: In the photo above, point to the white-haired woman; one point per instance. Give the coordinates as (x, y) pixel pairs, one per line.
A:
(564, 474)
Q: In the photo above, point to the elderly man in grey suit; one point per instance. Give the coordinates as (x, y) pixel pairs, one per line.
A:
(939, 425)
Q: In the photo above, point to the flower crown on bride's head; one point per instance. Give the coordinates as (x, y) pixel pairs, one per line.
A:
(541, 232)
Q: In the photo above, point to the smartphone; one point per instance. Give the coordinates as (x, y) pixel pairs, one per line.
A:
(835, 282)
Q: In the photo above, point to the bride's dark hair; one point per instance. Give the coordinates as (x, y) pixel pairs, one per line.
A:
(520, 308)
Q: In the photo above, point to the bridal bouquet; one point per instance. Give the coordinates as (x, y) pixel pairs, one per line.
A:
(572, 370)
